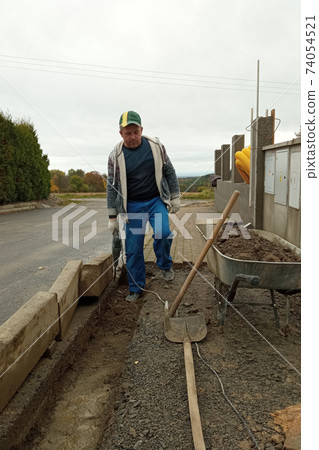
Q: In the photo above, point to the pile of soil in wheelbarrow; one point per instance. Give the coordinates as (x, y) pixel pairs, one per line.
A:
(257, 248)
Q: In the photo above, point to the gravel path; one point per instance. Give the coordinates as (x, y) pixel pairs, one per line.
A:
(128, 389)
(152, 412)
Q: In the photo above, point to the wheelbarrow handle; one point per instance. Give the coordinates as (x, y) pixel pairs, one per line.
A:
(197, 431)
(204, 252)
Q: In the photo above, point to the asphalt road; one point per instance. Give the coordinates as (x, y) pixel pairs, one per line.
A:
(30, 260)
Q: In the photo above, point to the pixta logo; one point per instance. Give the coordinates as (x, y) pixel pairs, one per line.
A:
(69, 226)
(233, 226)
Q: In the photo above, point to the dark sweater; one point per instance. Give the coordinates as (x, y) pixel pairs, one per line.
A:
(140, 172)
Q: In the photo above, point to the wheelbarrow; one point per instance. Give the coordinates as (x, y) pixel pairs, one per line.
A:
(231, 274)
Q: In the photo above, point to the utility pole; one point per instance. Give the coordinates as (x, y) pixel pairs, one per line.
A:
(257, 105)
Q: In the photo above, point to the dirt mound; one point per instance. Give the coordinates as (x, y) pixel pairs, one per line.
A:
(235, 245)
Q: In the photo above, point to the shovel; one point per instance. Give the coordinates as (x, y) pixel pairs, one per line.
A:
(186, 331)
(192, 329)
(204, 252)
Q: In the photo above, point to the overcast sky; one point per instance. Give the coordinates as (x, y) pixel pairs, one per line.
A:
(187, 66)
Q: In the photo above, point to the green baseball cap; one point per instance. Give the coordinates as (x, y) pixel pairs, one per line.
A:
(129, 118)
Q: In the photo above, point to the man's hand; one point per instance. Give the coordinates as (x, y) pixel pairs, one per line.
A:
(113, 225)
(175, 205)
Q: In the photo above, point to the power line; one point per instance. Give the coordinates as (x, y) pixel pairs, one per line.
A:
(142, 75)
(171, 82)
(138, 70)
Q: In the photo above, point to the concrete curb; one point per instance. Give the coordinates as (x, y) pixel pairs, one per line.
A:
(95, 276)
(33, 399)
(66, 286)
(16, 207)
(22, 206)
(44, 319)
(23, 339)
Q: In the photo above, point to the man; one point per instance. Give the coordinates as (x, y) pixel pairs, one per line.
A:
(141, 186)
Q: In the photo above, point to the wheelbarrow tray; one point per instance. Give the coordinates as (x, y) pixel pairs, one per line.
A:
(280, 276)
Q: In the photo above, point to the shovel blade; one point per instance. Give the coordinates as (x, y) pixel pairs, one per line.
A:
(178, 328)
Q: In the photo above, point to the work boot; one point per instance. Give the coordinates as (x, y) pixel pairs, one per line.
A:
(133, 297)
(168, 274)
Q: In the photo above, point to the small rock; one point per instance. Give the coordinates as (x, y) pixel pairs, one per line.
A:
(244, 445)
(244, 256)
(132, 432)
(188, 304)
(137, 403)
(277, 439)
(271, 258)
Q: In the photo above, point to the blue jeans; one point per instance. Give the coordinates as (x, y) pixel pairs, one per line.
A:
(139, 213)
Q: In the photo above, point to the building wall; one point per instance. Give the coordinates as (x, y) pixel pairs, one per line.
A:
(282, 207)
(223, 193)
(272, 199)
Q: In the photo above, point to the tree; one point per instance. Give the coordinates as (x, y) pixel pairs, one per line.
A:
(60, 180)
(7, 164)
(53, 186)
(95, 182)
(24, 173)
(77, 184)
(79, 172)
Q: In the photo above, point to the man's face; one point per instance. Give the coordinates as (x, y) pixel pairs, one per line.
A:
(132, 135)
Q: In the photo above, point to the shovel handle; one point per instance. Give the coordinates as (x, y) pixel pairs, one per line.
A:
(197, 431)
(204, 252)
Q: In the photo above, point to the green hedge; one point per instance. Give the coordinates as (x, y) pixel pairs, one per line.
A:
(24, 173)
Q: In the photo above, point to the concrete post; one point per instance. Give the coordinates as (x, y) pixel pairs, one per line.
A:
(218, 164)
(262, 135)
(225, 152)
(238, 143)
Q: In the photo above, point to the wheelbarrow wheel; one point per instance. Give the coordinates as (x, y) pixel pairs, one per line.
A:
(221, 290)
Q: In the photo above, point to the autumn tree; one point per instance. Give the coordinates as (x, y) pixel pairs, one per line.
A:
(95, 181)
(53, 186)
(60, 180)
(77, 181)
